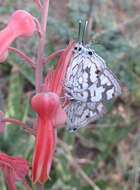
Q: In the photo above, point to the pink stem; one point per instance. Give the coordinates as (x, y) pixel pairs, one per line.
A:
(39, 63)
(38, 27)
(26, 127)
(45, 60)
(26, 58)
(39, 4)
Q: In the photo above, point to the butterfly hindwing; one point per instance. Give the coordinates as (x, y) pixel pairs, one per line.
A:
(80, 114)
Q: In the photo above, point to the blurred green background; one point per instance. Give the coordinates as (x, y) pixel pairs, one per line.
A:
(105, 153)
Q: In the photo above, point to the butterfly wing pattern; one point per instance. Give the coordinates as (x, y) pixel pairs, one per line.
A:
(80, 114)
(88, 82)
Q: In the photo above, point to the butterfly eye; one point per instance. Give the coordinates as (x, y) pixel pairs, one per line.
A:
(74, 129)
(97, 71)
(75, 48)
(90, 52)
(79, 48)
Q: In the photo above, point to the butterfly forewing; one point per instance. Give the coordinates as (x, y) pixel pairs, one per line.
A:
(88, 78)
(105, 88)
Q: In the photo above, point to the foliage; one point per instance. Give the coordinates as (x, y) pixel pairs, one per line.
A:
(107, 152)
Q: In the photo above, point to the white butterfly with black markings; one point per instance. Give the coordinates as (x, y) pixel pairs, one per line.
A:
(88, 82)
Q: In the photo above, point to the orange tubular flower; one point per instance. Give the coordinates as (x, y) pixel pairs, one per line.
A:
(45, 104)
(50, 114)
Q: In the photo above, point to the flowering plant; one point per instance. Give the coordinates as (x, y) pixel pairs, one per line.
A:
(46, 102)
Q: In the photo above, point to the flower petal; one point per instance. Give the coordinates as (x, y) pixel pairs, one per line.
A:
(14, 169)
(44, 149)
(60, 117)
(56, 83)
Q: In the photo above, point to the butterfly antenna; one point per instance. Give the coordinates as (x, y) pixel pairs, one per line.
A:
(84, 36)
(79, 30)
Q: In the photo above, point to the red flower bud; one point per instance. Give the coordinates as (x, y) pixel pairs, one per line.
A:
(21, 23)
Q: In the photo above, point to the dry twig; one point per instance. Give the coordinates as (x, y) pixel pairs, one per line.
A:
(74, 162)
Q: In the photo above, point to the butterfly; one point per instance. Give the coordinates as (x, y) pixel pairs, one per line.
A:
(88, 83)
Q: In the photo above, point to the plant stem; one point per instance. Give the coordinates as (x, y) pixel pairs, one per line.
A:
(39, 63)
(39, 4)
(45, 60)
(40, 186)
(25, 57)
(26, 127)
(38, 26)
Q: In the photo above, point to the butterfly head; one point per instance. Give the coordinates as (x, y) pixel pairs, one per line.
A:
(82, 47)
(71, 130)
(84, 50)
